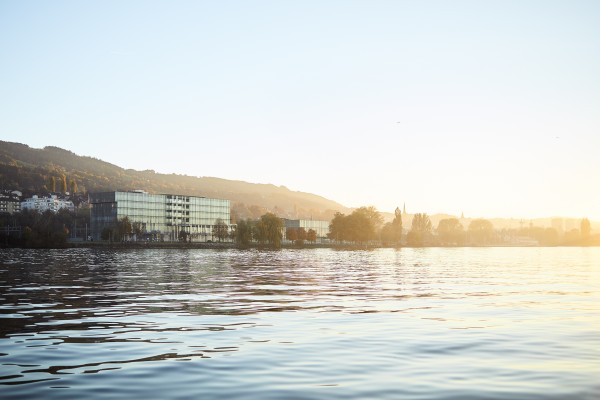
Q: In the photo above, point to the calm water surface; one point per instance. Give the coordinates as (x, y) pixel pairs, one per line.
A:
(464, 323)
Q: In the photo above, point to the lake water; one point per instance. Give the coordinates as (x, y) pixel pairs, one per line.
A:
(455, 323)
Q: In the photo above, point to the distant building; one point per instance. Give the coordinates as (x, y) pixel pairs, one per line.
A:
(321, 227)
(163, 216)
(42, 204)
(10, 202)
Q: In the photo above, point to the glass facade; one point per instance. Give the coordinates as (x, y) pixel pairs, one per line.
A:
(321, 227)
(162, 216)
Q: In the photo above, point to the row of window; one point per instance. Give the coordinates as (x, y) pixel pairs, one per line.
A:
(165, 214)
(166, 199)
(143, 207)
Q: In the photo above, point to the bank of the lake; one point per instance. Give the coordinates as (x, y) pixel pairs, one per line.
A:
(284, 245)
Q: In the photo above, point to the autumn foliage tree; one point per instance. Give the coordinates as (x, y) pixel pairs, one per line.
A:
(291, 234)
(311, 235)
(297, 235)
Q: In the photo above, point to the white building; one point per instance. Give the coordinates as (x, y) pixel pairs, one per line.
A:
(42, 204)
(10, 202)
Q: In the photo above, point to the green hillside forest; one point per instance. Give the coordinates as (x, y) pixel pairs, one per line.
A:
(52, 169)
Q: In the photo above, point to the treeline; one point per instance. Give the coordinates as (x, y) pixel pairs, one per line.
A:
(267, 230)
(42, 230)
(364, 226)
(300, 235)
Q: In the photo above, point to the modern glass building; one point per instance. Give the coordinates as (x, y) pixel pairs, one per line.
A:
(321, 227)
(161, 216)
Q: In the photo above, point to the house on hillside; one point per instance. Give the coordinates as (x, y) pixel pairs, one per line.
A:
(52, 203)
(10, 201)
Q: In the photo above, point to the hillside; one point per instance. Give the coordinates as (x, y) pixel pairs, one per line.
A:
(38, 170)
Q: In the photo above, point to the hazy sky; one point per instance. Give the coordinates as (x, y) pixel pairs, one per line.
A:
(491, 108)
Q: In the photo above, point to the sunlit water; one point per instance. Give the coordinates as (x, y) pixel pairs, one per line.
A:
(460, 323)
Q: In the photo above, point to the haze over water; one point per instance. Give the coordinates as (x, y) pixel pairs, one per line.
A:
(428, 323)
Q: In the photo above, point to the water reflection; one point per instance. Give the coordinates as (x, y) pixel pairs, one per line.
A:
(462, 321)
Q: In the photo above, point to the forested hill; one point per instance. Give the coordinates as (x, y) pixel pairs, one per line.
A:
(51, 169)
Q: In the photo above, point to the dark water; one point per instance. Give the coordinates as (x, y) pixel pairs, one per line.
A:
(461, 323)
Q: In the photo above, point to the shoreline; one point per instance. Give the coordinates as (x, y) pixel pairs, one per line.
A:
(229, 245)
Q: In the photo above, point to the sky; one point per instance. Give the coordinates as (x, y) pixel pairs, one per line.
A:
(487, 108)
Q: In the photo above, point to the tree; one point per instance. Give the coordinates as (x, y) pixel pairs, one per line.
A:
(387, 235)
(124, 228)
(450, 231)
(311, 235)
(259, 232)
(269, 230)
(220, 230)
(107, 234)
(297, 235)
(291, 234)
(45, 230)
(301, 235)
(358, 229)
(373, 216)
(363, 224)
(395, 229)
(337, 227)
(360, 226)
(64, 183)
(392, 231)
(243, 232)
(481, 231)
(137, 228)
(420, 230)
(183, 235)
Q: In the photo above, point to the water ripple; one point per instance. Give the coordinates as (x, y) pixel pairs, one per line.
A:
(307, 324)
